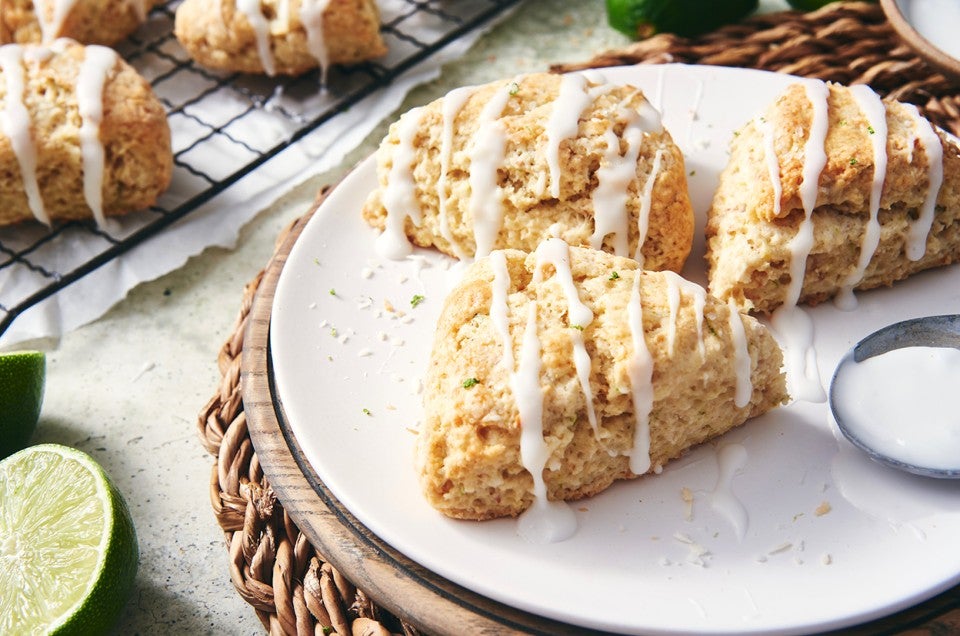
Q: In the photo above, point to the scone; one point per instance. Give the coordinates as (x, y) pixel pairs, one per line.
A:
(86, 21)
(279, 37)
(882, 190)
(508, 164)
(622, 369)
(82, 135)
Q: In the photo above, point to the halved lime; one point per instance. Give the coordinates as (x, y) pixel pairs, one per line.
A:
(22, 376)
(68, 548)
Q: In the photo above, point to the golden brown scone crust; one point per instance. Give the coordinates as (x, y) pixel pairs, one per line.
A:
(134, 132)
(529, 215)
(219, 36)
(748, 245)
(468, 450)
(88, 22)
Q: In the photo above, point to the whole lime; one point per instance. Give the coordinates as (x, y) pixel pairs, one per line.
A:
(68, 548)
(643, 18)
(22, 378)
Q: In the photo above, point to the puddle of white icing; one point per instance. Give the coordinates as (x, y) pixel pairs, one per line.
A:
(732, 459)
(905, 404)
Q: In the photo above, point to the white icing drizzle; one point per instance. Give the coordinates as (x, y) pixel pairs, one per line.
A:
(498, 305)
(741, 358)
(773, 164)
(643, 217)
(15, 120)
(572, 99)
(640, 372)
(876, 114)
(731, 459)
(51, 29)
(281, 21)
(261, 29)
(791, 323)
(400, 192)
(311, 16)
(557, 253)
(453, 103)
(545, 521)
(486, 156)
(97, 63)
(616, 173)
(699, 295)
(930, 142)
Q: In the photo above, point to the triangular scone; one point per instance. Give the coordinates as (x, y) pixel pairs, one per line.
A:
(508, 164)
(848, 147)
(695, 361)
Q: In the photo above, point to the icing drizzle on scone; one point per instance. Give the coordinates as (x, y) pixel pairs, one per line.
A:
(629, 120)
(16, 126)
(97, 64)
(551, 521)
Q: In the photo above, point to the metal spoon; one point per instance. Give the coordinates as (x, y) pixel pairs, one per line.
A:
(930, 331)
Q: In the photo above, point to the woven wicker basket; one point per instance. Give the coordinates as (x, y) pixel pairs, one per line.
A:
(273, 566)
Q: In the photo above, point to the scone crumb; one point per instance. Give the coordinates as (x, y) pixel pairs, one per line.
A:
(823, 508)
(687, 495)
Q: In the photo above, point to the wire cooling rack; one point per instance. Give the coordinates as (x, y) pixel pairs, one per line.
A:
(236, 118)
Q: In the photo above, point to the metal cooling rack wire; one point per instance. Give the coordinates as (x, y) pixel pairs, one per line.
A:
(294, 106)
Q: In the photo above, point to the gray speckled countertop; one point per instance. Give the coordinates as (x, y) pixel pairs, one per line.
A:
(127, 388)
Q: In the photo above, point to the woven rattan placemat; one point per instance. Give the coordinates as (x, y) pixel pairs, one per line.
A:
(273, 566)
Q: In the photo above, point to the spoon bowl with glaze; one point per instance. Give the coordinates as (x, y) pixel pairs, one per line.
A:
(896, 395)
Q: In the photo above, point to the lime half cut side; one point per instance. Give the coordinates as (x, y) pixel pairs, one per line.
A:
(68, 548)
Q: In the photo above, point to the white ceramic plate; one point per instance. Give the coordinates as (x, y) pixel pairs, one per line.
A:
(831, 540)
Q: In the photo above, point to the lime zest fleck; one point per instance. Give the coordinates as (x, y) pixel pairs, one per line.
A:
(871, 130)
(366, 412)
(614, 276)
(514, 88)
(416, 300)
(853, 161)
(577, 327)
(469, 382)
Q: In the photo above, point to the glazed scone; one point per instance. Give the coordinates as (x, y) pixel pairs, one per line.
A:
(279, 37)
(884, 205)
(86, 21)
(82, 135)
(701, 370)
(508, 164)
